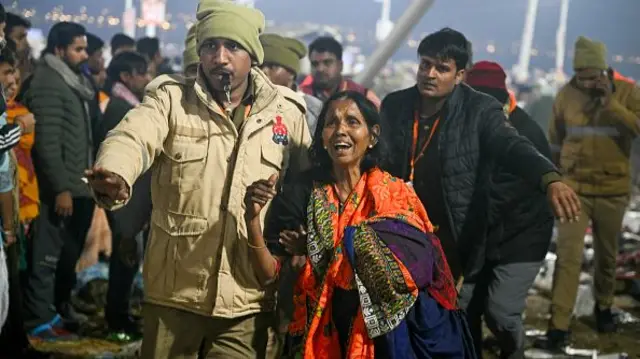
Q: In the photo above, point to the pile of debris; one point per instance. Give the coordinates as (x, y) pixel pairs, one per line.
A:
(627, 297)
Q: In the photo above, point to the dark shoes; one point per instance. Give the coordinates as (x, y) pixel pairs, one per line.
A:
(557, 340)
(605, 320)
(554, 341)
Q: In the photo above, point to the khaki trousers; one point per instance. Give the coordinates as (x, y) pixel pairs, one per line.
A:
(606, 215)
(176, 334)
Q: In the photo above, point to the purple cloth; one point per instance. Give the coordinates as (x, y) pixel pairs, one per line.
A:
(411, 246)
(428, 330)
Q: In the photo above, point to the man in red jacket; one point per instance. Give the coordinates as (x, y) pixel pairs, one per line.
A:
(325, 54)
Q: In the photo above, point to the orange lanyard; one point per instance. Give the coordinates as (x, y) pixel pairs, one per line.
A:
(414, 157)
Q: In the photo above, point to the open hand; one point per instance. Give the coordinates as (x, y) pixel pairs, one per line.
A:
(27, 122)
(294, 242)
(9, 238)
(107, 183)
(258, 195)
(564, 202)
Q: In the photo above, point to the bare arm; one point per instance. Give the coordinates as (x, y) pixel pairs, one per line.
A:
(265, 264)
(6, 200)
(6, 212)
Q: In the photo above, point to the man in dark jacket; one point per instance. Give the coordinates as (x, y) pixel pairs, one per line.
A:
(446, 135)
(128, 72)
(520, 226)
(60, 97)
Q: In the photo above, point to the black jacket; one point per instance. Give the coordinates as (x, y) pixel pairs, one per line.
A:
(521, 220)
(473, 135)
(115, 111)
(63, 147)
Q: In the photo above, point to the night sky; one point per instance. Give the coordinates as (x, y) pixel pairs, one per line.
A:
(483, 21)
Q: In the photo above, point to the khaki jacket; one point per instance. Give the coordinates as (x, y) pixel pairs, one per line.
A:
(197, 258)
(593, 149)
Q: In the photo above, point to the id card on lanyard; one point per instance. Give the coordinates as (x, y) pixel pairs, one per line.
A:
(416, 135)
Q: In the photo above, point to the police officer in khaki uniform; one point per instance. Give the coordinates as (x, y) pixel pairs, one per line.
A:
(595, 119)
(282, 57)
(190, 58)
(206, 139)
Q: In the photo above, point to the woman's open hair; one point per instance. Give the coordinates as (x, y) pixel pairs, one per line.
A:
(374, 157)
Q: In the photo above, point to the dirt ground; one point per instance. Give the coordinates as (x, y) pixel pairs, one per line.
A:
(627, 340)
(584, 335)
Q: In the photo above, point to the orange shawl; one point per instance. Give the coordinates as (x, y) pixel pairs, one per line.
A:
(377, 196)
(511, 104)
(28, 184)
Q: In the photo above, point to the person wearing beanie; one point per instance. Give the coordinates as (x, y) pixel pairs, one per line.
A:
(190, 58)
(209, 287)
(282, 64)
(445, 137)
(595, 119)
(519, 231)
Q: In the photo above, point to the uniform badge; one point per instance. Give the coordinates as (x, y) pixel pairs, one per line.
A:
(280, 132)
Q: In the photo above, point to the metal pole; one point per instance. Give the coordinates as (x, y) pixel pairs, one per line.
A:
(150, 30)
(384, 24)
(522, 69)
(129, 19)
(561, 40)
(386, 49)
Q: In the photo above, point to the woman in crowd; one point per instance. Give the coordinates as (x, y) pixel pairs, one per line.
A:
(375, 282)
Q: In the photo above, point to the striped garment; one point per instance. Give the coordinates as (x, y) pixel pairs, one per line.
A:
(9, 136)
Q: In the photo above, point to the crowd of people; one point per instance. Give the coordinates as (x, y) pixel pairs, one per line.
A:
(277, 219)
